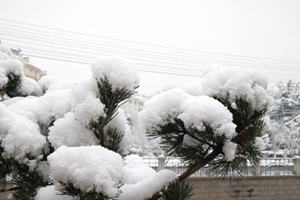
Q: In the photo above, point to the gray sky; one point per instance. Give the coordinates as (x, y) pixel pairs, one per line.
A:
(257, 28)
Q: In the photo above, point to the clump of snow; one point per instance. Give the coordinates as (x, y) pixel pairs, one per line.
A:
(119, 72)
(193, 111)
(87, 168)
(136, 170)
(232, 83)
(30, 87)
(120, 123)
(65, 84)
(229, 149)
(13, 66)
(50, 193)
(91, 109)
(160, 107)
(45, 82)
(147, 187)
(196, 111)
(9, 66)
(24, 106)
(83, 89)
(15, 130)
(54, 104)
(5, 53)
(194, 88)
(67, 131)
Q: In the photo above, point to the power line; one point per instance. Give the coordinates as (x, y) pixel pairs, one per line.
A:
(36, 52)
(149, 68)
(45, 42)
(26, 25)
(149, 54)
(55, 36)
(70, 57)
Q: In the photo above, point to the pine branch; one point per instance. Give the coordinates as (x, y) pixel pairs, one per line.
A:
(10, 189)
(208, 159)
(217, 150)
(242, 134)
(110, 97)
(171, 134)
(112, 100)
(113, 140)
(26, 184)
(76, 193)
(177, 190)
(101, 137)
(222, 168)
(201, 140)
(12, 88)
(25, 180)
(6, 168)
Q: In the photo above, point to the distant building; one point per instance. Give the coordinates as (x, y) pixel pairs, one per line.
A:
(30, 71)
(136, 103)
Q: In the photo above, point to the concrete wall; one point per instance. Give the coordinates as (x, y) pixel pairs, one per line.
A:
(247, 188)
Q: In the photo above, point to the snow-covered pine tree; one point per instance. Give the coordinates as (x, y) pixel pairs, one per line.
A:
(218, 121)
(99, 112)
(63, 123)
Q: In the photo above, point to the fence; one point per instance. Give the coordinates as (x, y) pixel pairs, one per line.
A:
(274, 186)
(266, 167)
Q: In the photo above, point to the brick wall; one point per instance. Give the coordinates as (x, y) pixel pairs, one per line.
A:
(247, 188)
(3, 196)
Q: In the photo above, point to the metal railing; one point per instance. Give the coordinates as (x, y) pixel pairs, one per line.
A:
(266, 167)
(277, 166)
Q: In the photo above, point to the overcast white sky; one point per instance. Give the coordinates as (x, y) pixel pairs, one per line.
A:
(259, 28)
